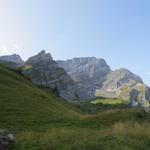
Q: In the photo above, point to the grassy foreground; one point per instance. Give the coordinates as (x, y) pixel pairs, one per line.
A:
(41, 121)
(122, 136)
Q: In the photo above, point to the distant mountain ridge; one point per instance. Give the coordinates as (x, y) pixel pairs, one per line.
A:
(83, 78)
(14, 59)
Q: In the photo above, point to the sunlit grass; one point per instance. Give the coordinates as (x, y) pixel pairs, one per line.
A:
(108, 101)
(27, 67)
(120, 136)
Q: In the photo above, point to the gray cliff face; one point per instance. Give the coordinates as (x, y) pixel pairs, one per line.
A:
(115, 80)
(44, 71)
(127, 86)
(85, 68)
(12, 60)
(88, 73)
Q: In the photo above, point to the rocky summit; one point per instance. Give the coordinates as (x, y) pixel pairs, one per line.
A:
(42, 70)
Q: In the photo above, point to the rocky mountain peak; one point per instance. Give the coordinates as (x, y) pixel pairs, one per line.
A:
(43, 52)
(15, 59)
(40, 57)
(42, 70)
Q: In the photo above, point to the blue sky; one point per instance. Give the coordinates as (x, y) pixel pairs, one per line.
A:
(116, 30)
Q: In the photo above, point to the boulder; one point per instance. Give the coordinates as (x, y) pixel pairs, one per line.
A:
(6, 140)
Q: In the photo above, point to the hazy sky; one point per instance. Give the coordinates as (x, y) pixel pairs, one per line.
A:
(117, 30)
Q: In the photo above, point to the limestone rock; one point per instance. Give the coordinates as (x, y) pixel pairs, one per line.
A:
(88, 73)
(116, 80)
(127, 86)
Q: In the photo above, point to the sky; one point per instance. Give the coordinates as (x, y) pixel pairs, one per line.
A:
(116, 30)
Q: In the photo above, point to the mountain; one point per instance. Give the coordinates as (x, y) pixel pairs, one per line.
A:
(12, 60)
(88, 73)
(42, 70)
(82, 78)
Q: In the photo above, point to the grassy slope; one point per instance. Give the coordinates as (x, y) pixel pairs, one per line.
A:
(41, 121)
(22, 105)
